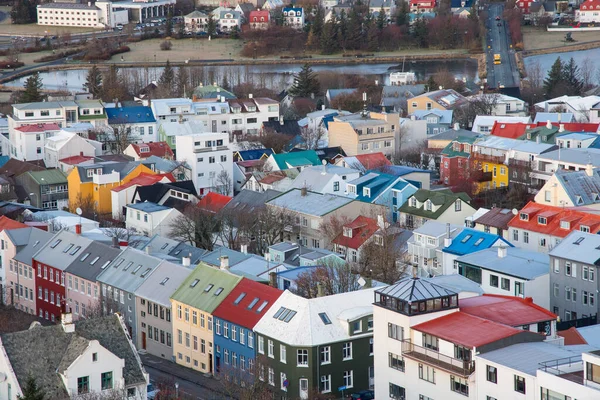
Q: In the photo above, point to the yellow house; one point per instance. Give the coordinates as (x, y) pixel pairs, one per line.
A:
(443, 99)
(95, 182)
(494, 169)
(364, 134)
(193, 304)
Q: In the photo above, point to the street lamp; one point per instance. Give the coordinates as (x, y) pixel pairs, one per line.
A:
(177, 389)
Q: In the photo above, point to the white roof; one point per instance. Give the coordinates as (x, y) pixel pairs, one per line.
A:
(574, 156)
(306, 327)
(497, 142)
(184, 129)
(479, 213)
(315, 178)
(591, 334)
(488, 120)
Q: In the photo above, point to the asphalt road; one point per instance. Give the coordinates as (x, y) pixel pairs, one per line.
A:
(187, 389)
(505, 74)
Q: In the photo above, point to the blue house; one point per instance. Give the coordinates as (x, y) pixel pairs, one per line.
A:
(251, 155)
(466, 242)
(138, 121)
(385, 189)
(234, 320)
(437, 120)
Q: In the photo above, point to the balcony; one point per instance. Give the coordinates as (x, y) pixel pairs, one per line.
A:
(422, 251)
(521, 164)
(570, 368)
(485, 177)
(434, 358)
(209, 149)
(489, 158)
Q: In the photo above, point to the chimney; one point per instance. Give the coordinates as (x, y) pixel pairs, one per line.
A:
(548, 124)
(81, 153)
(250, 96)
(324, 162)
(303, 191)
(66, 320)
(415, 271)
(447, 239)
(267, 256)
(244, 248)
(502, 251)
(281, 122)
(78, 229)
(115, 242)
(186, 261)
(89, 3)
(456, 126)
(589, 169)
(224, 263)
(368, 283)
(323, 107)
(273, 279)
(380, 222)
(558, 117)
(320, 292)
(194, 97)
(561, 127)
(148, 249)
(538, 139)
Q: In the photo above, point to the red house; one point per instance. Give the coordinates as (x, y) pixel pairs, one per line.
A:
(455, 161)
(422, 6)
(259, 19)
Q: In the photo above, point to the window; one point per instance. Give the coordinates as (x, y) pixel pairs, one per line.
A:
(492, 374)
(107, 380)
(494, 280)
(282, 380)
(397, 392)
(347, 351)
(519, 384)
(302, 356)
(349, 379)
(271, 377)
(357, 326)
(251, 339)
(271, 348)
(525, 237)
(568, 268)
(427, 373)
(506, 284)
(282, 353)
(325, 356)
(459, 385)
(325, 383)
(395, 332)
(83, 384)
(457, 205)
(261, 345)
(226, 329)
(430, 342)
(396, 362)
(592, 372)
(516, 235)
(556, 290)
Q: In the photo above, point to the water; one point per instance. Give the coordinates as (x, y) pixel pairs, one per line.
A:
(276, 77)
(546, 60)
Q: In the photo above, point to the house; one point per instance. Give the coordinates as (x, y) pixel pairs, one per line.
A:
(554, 117)
(579, 106)
(57, 220)
(259, 19)
(96, 180)
(328, 340)
(485, 123)
(48, 190)
(578, 140)
(290, 129)
(298, 160)
(213, 202)
(154, 308)
(252, 155)
(422, 6)
(210, 158)
(61, 113)
(195, 21)
(513, 130)
(423, 336)
(294, 17)
(441, 206)
(573, 272)
(388, 7)
(396, 97)
(416, 176)
(234, 321)
(494, 221)
(250, 201)
(569, 159)
(297, 255)
(230, 21)
(66, 144)
(539, 227)
(402, 78)
(325, 179)
(456, 163)
(567, 188)
(437, 120)
(280, 181)
(87, 357)
(244, 9)
(27, 141)
(120, 279)
(193, 305)
(354, 235)
(425, 247)
(502, 105)
(365, 162)
(365, 132)
(150, 218)
(124, 194)
(145, 150)
(20, 243)
(202, 96)
(137, 122)
(444, 99)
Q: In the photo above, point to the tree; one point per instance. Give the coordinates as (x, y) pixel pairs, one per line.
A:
(572, 78)
(484, 104)
(113, 88)
(312, 138)
(23, 12)
(305, 84)
(224, 183)
(182, 81)
(33, 89)
(333, 226)
(117, 137)
(420, 32)
(381, 19)
(333, 277)
(169, 25)
(270, 139)
(380, 257)
(93, 82)
(196, 226)
(87, 204)
(167, 79)
(329, 39)
(555, 76)
(211, 26)
(245, 384)
(31, 391)
(402, 14)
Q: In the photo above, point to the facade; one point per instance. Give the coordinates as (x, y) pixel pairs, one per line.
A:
(325, 179)
(27, 142)
(138, 122)
(234, 322)
(442, 206)
(571, 189)
(366, 132)
(67, 144)
(48, 190)
(193, 305)
(153, 308)
(337, 353)
(70, 14)
(259, 19)
(444, 99)
(294, 17)
(230, 21)
(123, 195)
(573, 159)
(426, 244)
(61, 113)
(143, 151)
(195, 21)
(494, 221)
(437, 120)
(354, 235)
(456, 165)
(588, 12)
(150, 218)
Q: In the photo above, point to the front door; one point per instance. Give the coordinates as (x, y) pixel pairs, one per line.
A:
(210, 363)
(144, 340)
(304, 388)
(218, 364)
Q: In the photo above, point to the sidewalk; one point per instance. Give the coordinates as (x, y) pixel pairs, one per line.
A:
(181, 373)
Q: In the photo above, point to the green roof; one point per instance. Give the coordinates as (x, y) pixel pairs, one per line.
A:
(547, 135)
(450, 152)
(48, 177)
(441, 198)
(196, 291)
(296, 159)
(92, 116)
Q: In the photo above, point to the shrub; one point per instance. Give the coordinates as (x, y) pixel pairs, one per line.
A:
(166, 45)
(13, 64)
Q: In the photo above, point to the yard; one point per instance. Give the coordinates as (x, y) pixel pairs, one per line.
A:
(535, 38)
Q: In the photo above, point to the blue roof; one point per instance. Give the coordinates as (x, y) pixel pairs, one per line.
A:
(256, 154)
(292, 274)
(214, 257)
(130, 115)
(470, 240)
(377, 183)
(461, 3)
(4, 160)
(401, 170)
(327, 119)
(148, 207)
(553, 117)
(445, 115)
(425, 15)
(297, 9)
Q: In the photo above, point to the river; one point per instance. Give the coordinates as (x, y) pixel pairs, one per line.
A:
(277, 77)
(546, 60)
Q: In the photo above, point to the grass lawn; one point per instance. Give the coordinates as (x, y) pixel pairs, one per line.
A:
(534, 38)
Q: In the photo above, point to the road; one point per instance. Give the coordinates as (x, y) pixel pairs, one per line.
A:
(506, 74)
(187, 389)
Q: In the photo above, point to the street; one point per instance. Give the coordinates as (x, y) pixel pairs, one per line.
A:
(506, 74)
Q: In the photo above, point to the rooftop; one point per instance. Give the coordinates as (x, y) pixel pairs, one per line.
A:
(496, 218)
(519, 263)
(148, 207)
(360, 230)
(311, 203)
(213, 202)
(471, 240)
(63, 249)
(48, 177)
(415, 289)
(508, 310)
(558, 221)
(442, 199)
(296, 159)
(163, 282)
(159, 149)
(129, 270)
(94, 259)
(581, 188)
(130, 115)
(579, 246)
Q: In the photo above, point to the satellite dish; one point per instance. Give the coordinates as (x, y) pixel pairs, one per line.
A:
(78, 211)
(362, 282)
(515, 211)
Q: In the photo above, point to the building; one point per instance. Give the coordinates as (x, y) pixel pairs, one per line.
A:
(402, 78)
(193, 304)
(573, 272)
(425, 247)
(154, 308)
(485, 123)
(259, 19)
(365, 132)
(124, 194)
(119, 281)
(137, 123)
(444, 138)
(234, 322)
(494, 221)
(195, 21)
(297, 160)
(437, 120)
(83, 358)
(170, 194)
(150, 219)
(353, 236)
(538, 227)
(571, 189)
(329, 179)
(144, 151)
(27, 142)
(66, 145)
(365, 162)
(324, 344)
(210, 158)
(456, 163)
(502, 105)
(444, 99)
(48, 190)
(422, 6)
(293, 17)
(230, 21)
(442, 206)
(84, 15)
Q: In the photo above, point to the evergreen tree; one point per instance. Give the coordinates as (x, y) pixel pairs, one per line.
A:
(381, 19)
(167, 78)
(33, 89)
(354, 33)
(211, 26)
(305, 83)
(572, 78)
(169, 25)
(431, 84)
(23, 12)
(420, 32)
(373, 38)
(329, 38)
(235, 33)
(317, 24)
(31, 391)
(182, 80)
(402, 14)
(555, 76)
(225, 84)
(112, 85)
(93, 82)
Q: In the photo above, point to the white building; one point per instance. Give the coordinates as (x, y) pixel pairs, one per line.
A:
(293, 17)
(211, 161)
(195, 21)
(485, 123)
(102, 14)
(122, 195)
(327, 178)
(589, 11)
(229, 21)
(426, 244)
(27, 142)
(150, 219)
(66, 144)
(62, 113)
(402, 78)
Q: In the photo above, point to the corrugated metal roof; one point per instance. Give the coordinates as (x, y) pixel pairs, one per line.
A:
(471, 240)
(129, 270)
(62, 249)
(517, 262)
(579, 246)
(163, 282)
(311, 204)
(28, 242)
(90, 262)
(508, 310)
(48, 177)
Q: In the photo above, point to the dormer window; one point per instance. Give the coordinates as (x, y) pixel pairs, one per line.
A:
(428, 205)
(542, 220)
(596, 196)
(347, 232)
(352, 189)
(524, 217)
(565, 225)
(413, 202)
(367, 192)
(584, 228)
(144, 149)
(467, 148)
(579, 200)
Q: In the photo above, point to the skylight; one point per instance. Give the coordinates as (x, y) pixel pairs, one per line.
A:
(262, 306)
(146, 272)
(239, 298)
(94, 260)
(86, 255)
(278, 313)
(164, 281)
(75, 250)
(105, 264)
(164, 246)
(210, 286)
(193, 284)
(36, 243)
(56, 243)
(129, 264)
(579, 240)
(136, 269)
(289, 317)
(325, 318)
(478, 242)
(69, 247)
(119, 263)
(253, 303)
(218, 291)
(466, 239)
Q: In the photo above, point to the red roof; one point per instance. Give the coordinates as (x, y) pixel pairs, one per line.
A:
(7, 223)
(590, 5)
(362, 229)
(74, 160)
(273, 177)
(510, 130)
(466, 330)
(572, 336)
(554, 215)
(507, 310)
(239, 313)
(214, 202)
(256, 15)
(144, 179)
(575, 126)
(159, 149)
(373, 160)
(423, 3)
(38, 128)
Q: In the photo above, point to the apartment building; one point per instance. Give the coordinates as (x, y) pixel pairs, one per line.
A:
(443, 99)
(426, 244)
(441, 205)
(61, 113)
(68, 144)
(365, 132)
(136, 122)
(150, 219)
(48, 190)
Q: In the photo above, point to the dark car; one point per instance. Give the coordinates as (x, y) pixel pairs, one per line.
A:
(499, 24)
(363, 395)
(497, 18)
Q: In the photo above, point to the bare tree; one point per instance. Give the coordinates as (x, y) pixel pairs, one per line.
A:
(587, 73)
(333, 226)
(484, 104)
(197, 227)
(87, 204)
(119, 139)
(333, 276)
(244, 382)
(273, 225)
(312, 138)
(535, 75)
(224, 183)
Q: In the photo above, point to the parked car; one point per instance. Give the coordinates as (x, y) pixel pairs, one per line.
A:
(152, 391)
(363, 395)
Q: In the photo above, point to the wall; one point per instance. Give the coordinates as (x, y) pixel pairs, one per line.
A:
(81, 301)
(420, 103)
(11, 380)
(342, 134)
(197, 360)
(505, 386)
(46, 306)
(12, 278)
(146, 320)
(572, 282)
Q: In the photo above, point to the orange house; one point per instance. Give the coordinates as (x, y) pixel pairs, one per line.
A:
(95, 181)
